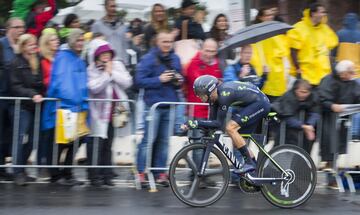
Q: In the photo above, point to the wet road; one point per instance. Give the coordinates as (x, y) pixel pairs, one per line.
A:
(38, 199)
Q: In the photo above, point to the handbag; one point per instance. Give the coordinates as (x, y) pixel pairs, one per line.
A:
(70, 126)
(120, 116)
(185, 48)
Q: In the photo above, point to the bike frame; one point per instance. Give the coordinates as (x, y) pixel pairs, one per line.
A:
(210, 142)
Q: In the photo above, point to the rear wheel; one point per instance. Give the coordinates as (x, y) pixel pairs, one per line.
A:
(302, 176)
(194, 190)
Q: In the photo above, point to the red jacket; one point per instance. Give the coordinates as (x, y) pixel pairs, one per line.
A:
(195, 69)
(35, 23)
(46, 65)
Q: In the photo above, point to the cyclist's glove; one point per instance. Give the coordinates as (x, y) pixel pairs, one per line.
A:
(192, 124)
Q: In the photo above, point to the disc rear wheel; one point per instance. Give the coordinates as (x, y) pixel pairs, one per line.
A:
(300, 173)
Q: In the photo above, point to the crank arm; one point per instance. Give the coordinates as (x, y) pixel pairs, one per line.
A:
(264, 180)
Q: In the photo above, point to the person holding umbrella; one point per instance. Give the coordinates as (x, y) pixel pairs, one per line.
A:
(269, 56)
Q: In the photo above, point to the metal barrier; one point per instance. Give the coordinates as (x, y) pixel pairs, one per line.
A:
(36, 125)
(300, 139)
(151, 135)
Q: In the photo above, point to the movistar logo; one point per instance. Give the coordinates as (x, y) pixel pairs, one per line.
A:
(245, 119)
(224, 93)
(241, 87)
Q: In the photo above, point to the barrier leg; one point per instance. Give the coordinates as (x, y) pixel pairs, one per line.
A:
(350, 182)
(339, 183)
(152, 182)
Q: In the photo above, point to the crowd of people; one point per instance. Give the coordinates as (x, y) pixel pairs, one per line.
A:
(311, 69)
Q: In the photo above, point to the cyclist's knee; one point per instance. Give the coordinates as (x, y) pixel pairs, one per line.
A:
(232, 127)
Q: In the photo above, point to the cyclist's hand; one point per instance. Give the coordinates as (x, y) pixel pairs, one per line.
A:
(184, 127)
(191, 124)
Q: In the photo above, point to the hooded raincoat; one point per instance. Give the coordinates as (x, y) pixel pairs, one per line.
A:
(104, 86)
(349, 39)
(314, 44)
(272, 53)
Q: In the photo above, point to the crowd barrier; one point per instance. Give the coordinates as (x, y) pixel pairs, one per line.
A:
(17, 105)
(37, 115)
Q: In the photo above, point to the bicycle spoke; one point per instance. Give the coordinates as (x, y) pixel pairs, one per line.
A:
(212, 172)
(193, 188)
(191, 163)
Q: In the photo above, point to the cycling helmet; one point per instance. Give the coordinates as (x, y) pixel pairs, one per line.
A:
(204, 85)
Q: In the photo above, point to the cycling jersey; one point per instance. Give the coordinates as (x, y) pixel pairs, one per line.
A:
(244, 102)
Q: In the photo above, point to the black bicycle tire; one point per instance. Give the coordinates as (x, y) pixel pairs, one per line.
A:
(173, 165)
(313, 170)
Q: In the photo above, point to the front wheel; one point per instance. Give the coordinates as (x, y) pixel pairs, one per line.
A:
(194, 190)
(302, 176)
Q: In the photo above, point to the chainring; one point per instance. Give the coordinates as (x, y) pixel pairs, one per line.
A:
(247, 187)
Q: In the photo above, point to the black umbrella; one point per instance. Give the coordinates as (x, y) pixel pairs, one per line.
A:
(255, 33)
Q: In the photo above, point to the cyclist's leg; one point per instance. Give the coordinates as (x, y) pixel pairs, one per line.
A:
(246, 118)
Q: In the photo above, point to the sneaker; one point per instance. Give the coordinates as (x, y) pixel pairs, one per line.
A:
(20, 179)
(333, 185)
(247, 167)
(163, 180)
(68, 182)
(142, 180)
(30, 178)
(96, 183)
(4, 176)
(108, 182)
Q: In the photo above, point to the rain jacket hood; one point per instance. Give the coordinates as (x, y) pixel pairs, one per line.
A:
(350, 21)
(313, 45)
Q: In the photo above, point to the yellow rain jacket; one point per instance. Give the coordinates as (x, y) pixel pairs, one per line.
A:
(314, 44)
(271, 52)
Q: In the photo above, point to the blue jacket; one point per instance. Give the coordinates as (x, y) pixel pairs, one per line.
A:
(7, 56)
(232, 72)
(68, 83)
(147, 75)
(349, 32)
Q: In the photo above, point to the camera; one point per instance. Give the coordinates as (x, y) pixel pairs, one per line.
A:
(174, 80)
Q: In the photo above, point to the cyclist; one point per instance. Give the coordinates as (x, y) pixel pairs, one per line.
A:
(246, 103)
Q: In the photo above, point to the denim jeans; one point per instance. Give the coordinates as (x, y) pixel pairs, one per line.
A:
(160, 141)
(356, 126)
(180, 114)
(26, 127)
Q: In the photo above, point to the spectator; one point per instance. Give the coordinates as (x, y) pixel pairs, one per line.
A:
(186, 21)
(159, 74)
(137, 39)
(204, 63)
(289, 107)
(269, 56)
(310, 41)
(219, 29)
(67, 83)
(37, 19)
(21, 8)
(49, 44)
(349, 39)
(25, 81)
(336, 89)
(71, 21)
(14, 28)
(158, 22)
(243, 70)
(108, 79)
(114, 31)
